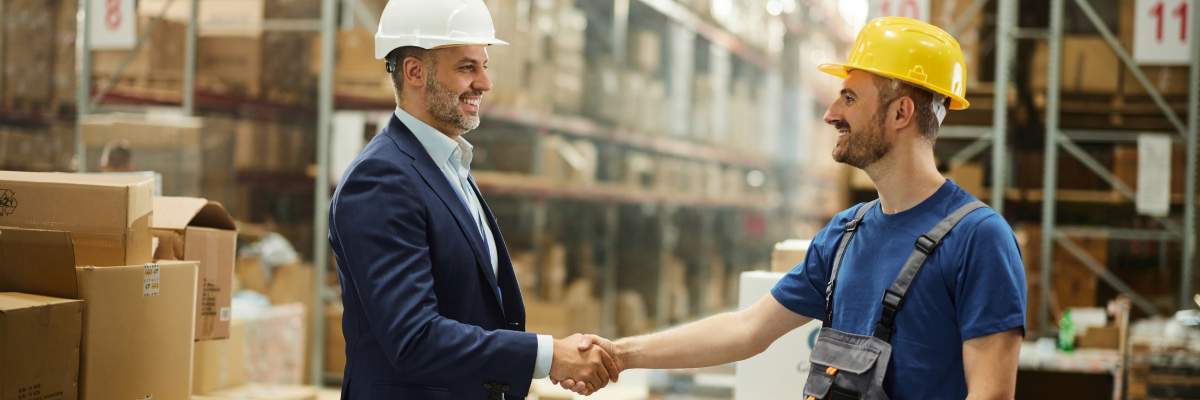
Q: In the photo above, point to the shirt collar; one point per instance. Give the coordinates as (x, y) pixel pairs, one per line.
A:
(439, 146)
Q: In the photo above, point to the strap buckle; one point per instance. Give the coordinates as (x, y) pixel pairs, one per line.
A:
(852, 225)
(886, 325)
(926, 244)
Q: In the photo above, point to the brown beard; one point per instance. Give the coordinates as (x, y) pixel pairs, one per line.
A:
(443, 105)
(865, 146)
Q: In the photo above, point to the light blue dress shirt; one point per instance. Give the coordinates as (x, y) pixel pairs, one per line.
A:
(453, 157)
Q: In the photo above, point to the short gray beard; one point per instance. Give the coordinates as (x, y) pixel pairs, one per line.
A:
(443, 106)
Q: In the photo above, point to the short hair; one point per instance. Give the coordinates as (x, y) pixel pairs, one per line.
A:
(397, 57)
(891, 89)
(117, 156)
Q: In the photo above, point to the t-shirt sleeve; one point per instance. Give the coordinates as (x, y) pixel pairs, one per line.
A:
(802, 290)
(991, 281)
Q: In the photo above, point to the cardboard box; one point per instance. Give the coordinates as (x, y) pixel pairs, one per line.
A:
(335, 341)
(277, 340)
(1088, 65)
(1107, 337)
(259, 391)
(292, 284)
(788, 254)
(200, 230)
(137, 344)
(29, 50)
(39, 353)
(220, 364)
(1074, 284)
(137, 324)
(108, 217)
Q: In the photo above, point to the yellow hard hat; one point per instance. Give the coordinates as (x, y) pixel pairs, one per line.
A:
(911, 51)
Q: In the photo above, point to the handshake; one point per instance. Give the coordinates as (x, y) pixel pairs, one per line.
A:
(583, 368)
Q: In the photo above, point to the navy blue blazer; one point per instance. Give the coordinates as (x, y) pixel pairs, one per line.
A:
(425, 316)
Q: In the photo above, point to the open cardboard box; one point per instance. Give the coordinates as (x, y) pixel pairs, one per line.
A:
(189, 228)
(138, 320)
(108, 216)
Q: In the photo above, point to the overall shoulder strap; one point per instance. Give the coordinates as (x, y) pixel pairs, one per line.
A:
(893, 297)
(847, 233)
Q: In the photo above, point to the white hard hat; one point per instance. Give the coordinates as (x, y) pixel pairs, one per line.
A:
(434, 23)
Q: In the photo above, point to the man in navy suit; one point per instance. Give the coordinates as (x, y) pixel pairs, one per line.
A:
(432, 306)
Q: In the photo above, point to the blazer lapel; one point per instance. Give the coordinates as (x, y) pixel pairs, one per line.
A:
(433, 176)
(513, 304)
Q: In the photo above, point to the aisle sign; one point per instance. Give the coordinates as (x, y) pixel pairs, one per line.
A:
(113, 24)
(1162, 31)
(915, 9)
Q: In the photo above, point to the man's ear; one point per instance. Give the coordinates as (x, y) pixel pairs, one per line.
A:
(413, 71)
(904, 108)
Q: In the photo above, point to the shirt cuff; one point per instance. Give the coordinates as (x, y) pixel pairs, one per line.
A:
(545, 356)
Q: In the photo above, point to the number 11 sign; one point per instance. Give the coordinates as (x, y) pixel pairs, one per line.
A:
(1162, 32)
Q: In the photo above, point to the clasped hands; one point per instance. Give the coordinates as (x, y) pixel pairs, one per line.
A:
(581, 367)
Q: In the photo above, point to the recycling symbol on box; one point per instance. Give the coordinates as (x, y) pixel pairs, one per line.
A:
(8, 202)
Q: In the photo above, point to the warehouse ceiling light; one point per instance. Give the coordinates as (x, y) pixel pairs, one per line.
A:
(854, 12)
(755, 178)
(722, 8)
(774, 7)
(789, 6)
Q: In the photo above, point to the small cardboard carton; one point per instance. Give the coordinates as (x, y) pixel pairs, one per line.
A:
(39, 353)
(220, 364)
(108, 216)
(262, 391)
(138, 322)
(197, 229)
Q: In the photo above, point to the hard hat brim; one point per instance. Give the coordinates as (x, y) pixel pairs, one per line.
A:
(385, 44)
(842, 71)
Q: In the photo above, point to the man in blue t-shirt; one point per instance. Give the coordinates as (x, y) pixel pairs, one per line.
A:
(958, 334)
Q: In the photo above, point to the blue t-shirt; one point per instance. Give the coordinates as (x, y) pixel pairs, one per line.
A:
(973, 285)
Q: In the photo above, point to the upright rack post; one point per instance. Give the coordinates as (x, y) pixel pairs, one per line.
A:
(1189, 202)
(83, 79)
(189, 61)
(1006, 26)
(321, 202)
(1050, 174)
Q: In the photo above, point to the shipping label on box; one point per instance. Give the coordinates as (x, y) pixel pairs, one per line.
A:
(201, 230)
(108, 216)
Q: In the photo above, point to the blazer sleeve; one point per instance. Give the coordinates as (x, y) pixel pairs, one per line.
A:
(381, 227)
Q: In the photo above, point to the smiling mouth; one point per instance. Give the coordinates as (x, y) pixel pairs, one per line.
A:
(473, 102)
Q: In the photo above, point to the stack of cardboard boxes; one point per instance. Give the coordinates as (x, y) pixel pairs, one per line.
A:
(112, 292)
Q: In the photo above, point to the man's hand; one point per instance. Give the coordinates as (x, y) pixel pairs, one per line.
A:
(584, 345)
(588, 369)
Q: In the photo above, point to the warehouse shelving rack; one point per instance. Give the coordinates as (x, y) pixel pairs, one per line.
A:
(531, 187)
(1007, 34)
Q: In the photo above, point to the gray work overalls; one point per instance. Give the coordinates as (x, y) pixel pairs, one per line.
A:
(849, 366)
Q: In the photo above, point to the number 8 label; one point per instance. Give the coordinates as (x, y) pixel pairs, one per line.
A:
(112, 14)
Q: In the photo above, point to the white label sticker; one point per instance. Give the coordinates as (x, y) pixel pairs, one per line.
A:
(1154, 175)
(150, 282)
(225, 313)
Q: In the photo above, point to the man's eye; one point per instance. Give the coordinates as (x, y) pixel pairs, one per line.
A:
(468, 67)
(849, 99)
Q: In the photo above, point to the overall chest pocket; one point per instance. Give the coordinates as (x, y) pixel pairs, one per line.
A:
(846, 366)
